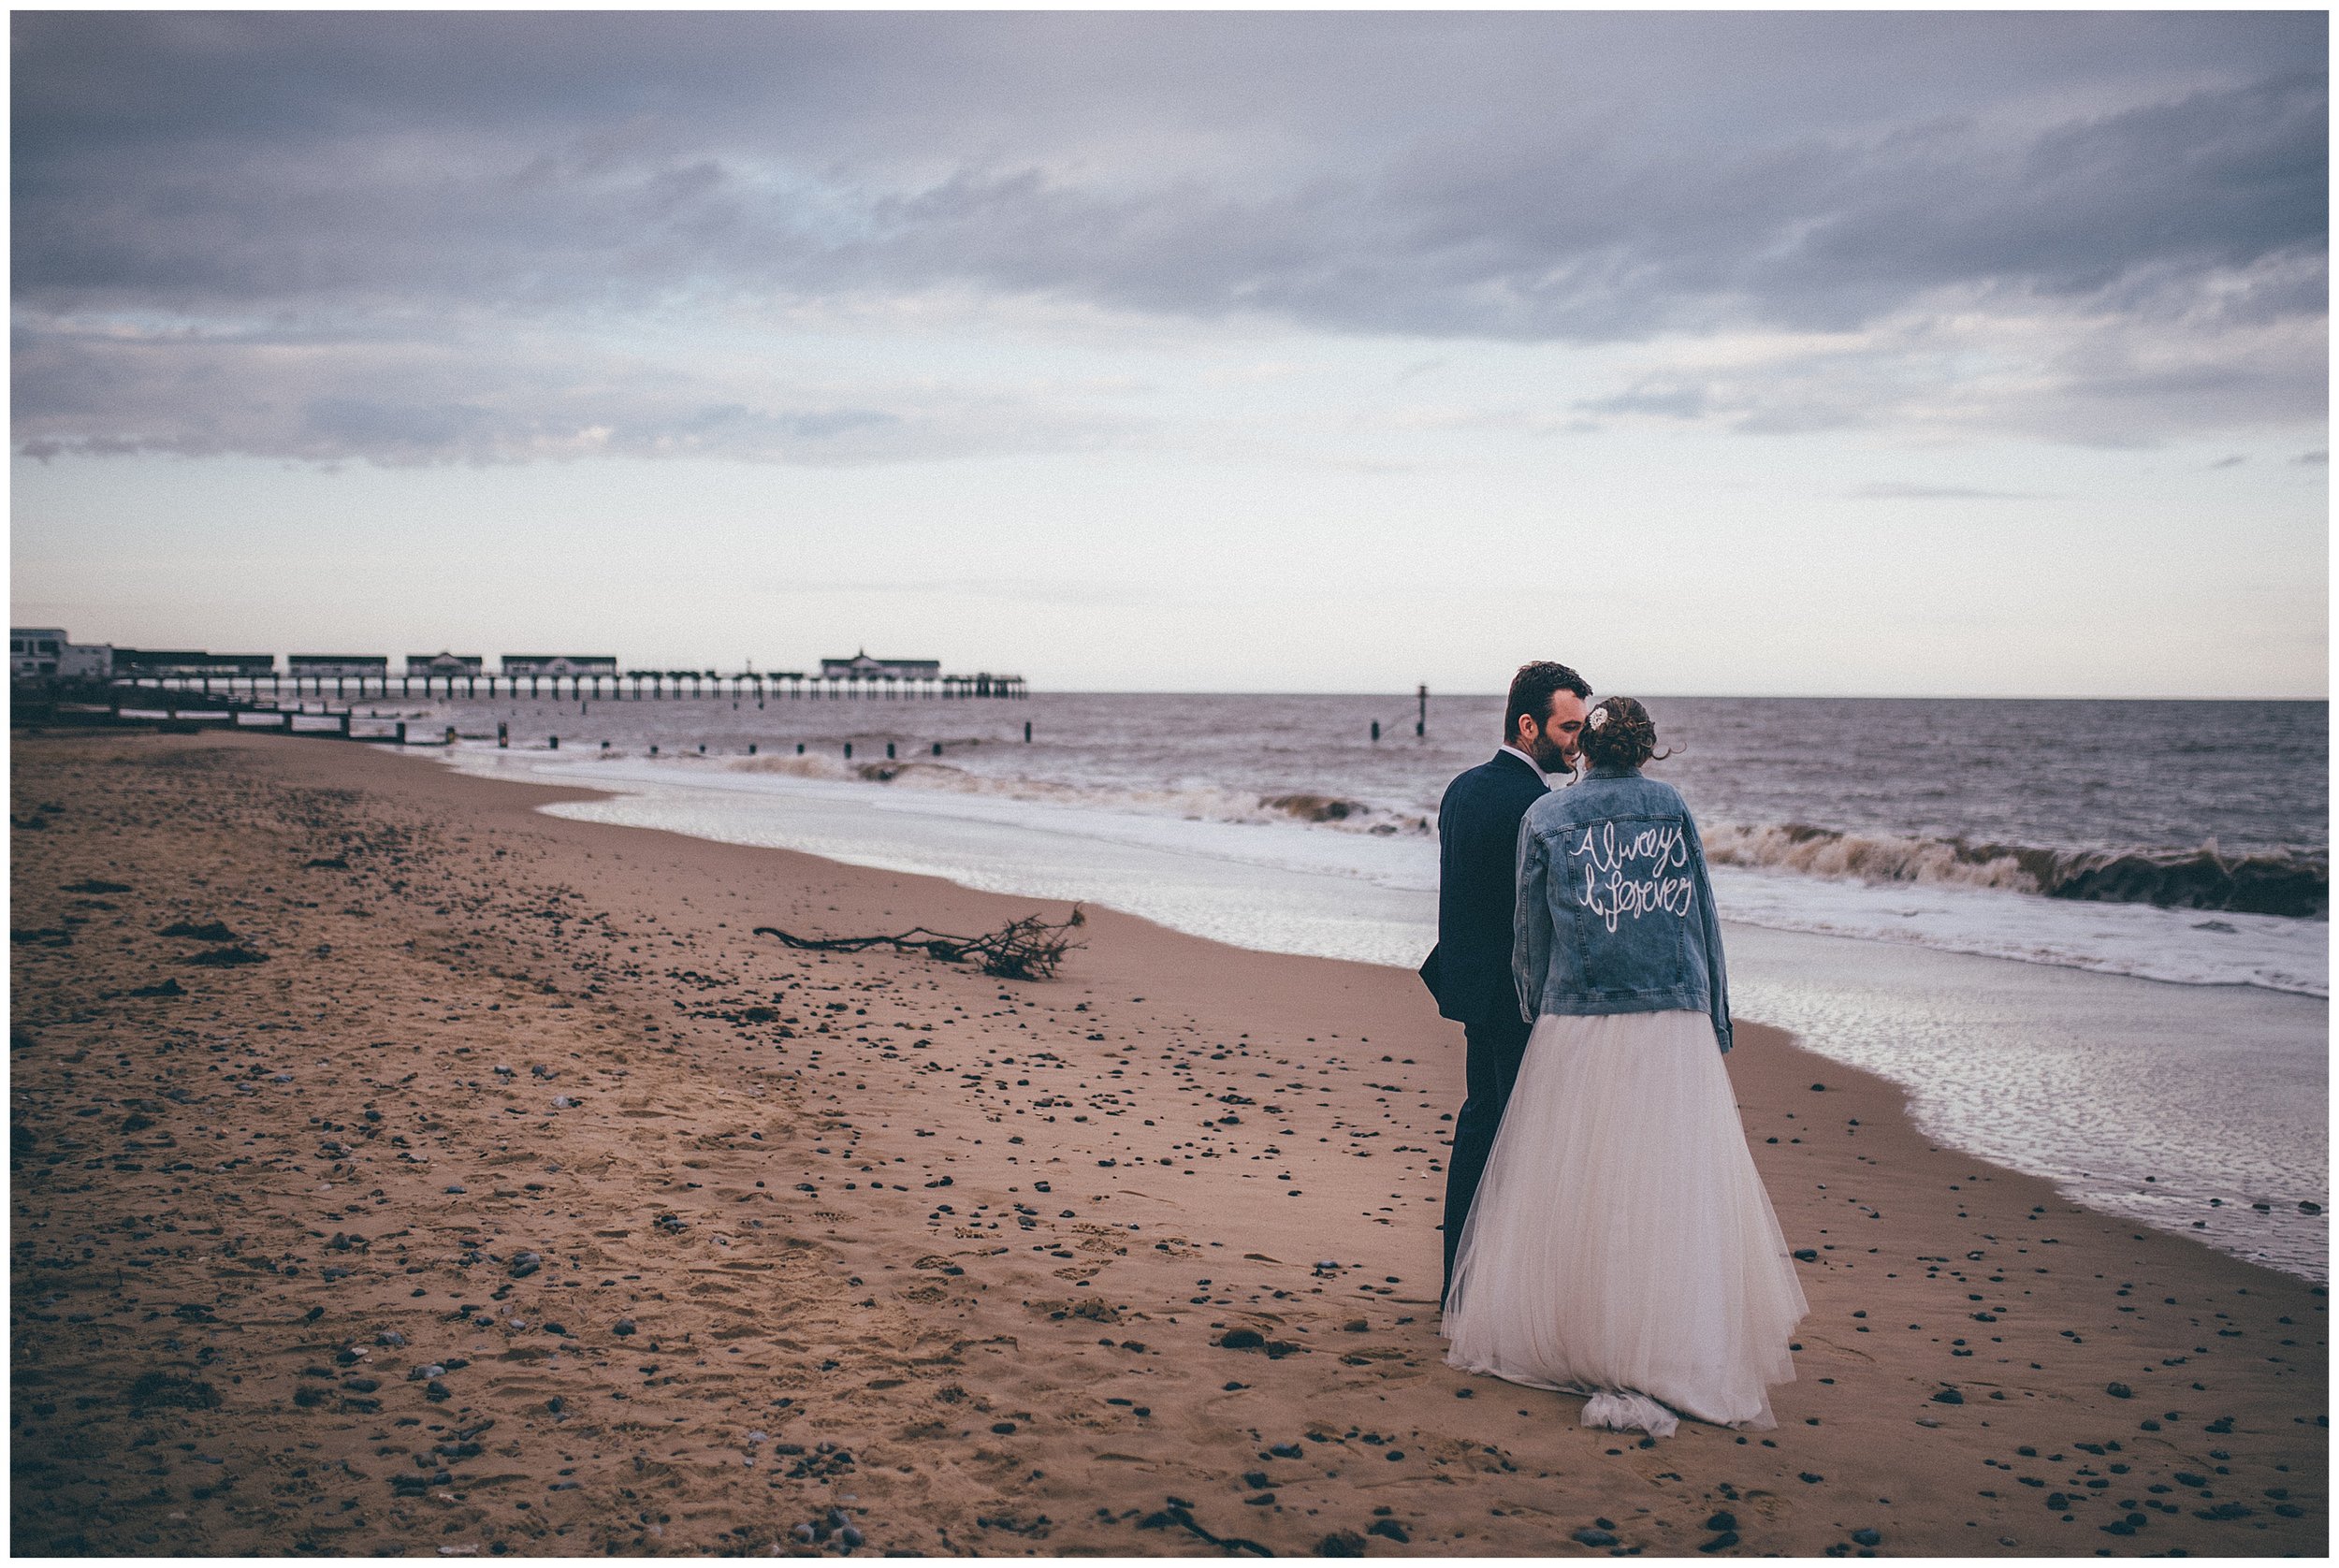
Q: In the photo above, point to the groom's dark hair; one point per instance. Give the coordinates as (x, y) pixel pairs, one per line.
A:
(1532, 690)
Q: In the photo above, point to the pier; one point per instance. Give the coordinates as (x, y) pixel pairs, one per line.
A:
(622, 686)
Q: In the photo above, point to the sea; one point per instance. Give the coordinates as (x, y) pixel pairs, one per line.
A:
(2090, 938)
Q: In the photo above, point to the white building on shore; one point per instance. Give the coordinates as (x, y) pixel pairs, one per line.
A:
(46, 653)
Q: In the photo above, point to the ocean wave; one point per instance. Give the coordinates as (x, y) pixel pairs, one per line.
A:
(1195, 802)
(2295, 884)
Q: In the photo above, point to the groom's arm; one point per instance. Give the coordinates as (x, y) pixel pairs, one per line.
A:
(1531, 922)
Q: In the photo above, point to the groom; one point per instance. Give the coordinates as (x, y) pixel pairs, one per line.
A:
(1469, 972)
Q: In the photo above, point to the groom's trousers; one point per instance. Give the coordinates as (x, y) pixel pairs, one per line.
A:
(1495, 1048)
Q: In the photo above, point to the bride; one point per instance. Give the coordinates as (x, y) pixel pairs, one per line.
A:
(1620, 1244)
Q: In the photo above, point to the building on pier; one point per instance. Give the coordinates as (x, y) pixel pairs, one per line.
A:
(335, 666)
(432, 666)
(150, 663)
(560, 664)
(862, 667)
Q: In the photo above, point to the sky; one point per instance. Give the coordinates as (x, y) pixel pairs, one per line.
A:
(1732, 353)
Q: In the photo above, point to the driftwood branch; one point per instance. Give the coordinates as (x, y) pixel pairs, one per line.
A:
(1027, 949)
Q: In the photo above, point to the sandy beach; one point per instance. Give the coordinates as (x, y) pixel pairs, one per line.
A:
(399, 1170)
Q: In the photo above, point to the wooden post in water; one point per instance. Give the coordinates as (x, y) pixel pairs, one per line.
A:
(1421, 723)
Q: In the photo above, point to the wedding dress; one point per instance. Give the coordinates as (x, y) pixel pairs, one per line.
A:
(1620, 1243)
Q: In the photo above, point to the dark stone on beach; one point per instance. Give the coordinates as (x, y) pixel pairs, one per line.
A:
(1723, 1542)
(623, 1325)
(2119, 1390)
(1340, 1542)
(526, 1264)
(1949, 1396)
(1389, 1529)
(1819, 1088)
(94, 885)
(390, 1337)
(161, 1389)
(168, 988)
(2306, 1208)
(1590, 1537)
(1806, 1254)
(211, 932)
(226, 958)
(1242, 1339)
(1866, 1538)
(1724, 1520)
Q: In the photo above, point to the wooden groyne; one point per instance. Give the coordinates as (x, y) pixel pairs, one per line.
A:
(171, 712)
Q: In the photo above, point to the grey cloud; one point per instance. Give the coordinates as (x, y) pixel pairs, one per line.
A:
(2314, 459)
(1891, 491)
(2234, 461)
(1021, 590)
(1676, 403)
(440, 180)
(390, 405)
(614, 160)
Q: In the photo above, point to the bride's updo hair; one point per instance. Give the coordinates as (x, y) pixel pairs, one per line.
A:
(1618, 734)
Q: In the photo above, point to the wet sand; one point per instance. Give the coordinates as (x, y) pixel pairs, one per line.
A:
(509, 1195)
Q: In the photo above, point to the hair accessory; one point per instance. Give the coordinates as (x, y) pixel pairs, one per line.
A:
(1599, 716)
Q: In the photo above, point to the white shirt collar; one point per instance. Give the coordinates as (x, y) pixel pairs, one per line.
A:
(1530, 763)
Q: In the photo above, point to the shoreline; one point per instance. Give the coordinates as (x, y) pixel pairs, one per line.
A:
(496, 910)
(2225, 1088)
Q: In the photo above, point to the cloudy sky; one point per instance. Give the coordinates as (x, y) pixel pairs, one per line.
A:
(1979, 354)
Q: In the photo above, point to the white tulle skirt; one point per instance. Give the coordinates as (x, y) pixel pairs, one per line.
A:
(1620, 1244)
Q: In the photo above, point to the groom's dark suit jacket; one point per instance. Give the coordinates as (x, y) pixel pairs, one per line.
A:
(1469, 972)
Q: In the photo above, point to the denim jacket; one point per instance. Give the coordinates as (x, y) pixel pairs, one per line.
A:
(1614, 911)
